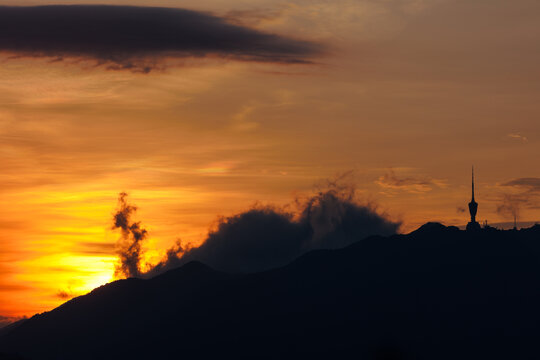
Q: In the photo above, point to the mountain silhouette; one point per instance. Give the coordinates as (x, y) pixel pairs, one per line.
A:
(436, 293)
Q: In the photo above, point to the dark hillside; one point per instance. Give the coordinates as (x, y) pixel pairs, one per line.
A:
(437, 293)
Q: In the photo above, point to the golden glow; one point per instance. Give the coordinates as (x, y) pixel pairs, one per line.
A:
(405, 99)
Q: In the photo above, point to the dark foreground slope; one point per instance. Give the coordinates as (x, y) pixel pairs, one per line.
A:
(437, 293)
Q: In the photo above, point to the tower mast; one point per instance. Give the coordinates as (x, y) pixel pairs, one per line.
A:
(473, 184)
(473, 207)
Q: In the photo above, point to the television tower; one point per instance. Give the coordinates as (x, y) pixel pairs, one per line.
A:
(473, 208)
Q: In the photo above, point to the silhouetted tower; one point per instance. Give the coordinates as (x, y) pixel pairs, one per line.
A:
(473, 208)
(473, 205)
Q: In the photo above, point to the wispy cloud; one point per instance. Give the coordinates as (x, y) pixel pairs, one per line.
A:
(518, 137)
(97, 249)
(531, 184)
(518, 194)
(413, 184)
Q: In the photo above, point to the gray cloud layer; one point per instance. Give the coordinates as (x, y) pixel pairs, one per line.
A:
(131, 37)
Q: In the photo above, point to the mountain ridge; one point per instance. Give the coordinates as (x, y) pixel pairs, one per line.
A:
(402, 296)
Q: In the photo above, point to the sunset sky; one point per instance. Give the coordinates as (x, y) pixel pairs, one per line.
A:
(401, 96)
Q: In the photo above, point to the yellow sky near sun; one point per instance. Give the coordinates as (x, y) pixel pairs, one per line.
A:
(404, 98)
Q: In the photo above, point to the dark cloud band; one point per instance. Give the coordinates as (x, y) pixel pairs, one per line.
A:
(133, 37)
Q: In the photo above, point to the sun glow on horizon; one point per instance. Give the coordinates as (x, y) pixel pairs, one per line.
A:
(401, 98)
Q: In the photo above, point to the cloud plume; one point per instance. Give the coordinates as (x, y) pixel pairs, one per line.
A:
(130, 244)
(510, 206)
(525, 194)
(65, 294)
(265, 237)
(138, 38)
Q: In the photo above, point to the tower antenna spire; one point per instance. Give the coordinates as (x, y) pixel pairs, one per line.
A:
(473, 183)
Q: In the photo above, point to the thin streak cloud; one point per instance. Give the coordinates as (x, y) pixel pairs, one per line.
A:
(532, 184)
(410, 183)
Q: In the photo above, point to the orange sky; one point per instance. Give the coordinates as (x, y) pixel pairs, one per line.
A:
(409, 95)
